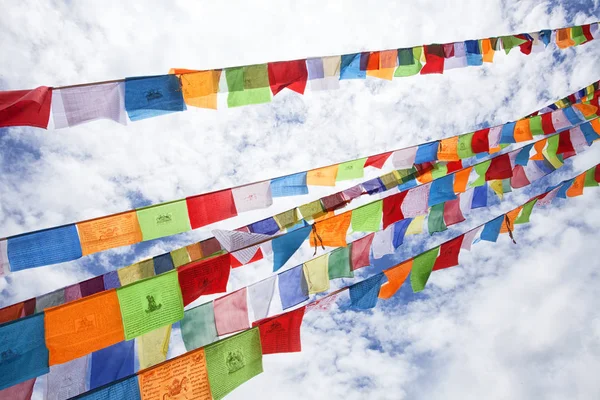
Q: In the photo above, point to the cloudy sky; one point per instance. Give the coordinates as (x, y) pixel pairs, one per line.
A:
(513, 321)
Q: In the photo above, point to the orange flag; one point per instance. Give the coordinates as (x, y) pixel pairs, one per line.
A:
(199, 87)
(109, 232)
(331, 231)
(322, 176)
(576, 188)
(83, 326)
(512, 215)
(448, 149)
(539, 147)
(522, 131)
(586, 109)
(396, 277)
(461, 178)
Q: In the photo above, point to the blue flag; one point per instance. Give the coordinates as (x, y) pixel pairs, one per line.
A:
(163, 263)
(293, 288)
(292, 185)
(286, 245)
(350, 67)
(442, 190)
(507, 135)
(147, 97)
(363, 295)
(479, 196)
(572, 116)
(474, 56)
(266, 226)
(427, 152)
(523, 156)
(112, 363)
(491, 230)
(589, 133)
(374, 185)
(400, 228)
(125, 389)
(111, 280)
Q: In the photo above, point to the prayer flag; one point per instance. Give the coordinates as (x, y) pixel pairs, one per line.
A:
(285, 246)
(83, 326)
(563, 38)
(153, 346)
(125, 389)
(25, 107)
(163, 220)
(386, 64)
(405, 158)
(590, 178)
(198, 327)
(334, 201)
(373, 186)
(252, 197)
(550, 152)
(136, 272)
(564, 143)
(507, 134)
(559, 120)
(522, 131)
(448, 256)
(149, 304)
(392, 208)
(206, 209)
(468, 238)
(288, 74)
(434, 56)
(377, 161)
(426, 152)
(491, 230)
(500, 168)
(287, 218)
(204, 277)
(523, 217)
(452, 213)
(49, 300)
(290, 185)
(576, 188)
(464, 149)
(24, 353)
(383, 243)
(339, 264)
(479, 197)
(76, 105)
(180, 257)
(233, 361)
(316, 274)
(461, 179)
(480, 141)
(293, 288)
(325, 176)
(547, 125)
(151, 96)
(260, 295)
(324, 73)
(367, 218)
(231, 312)
(199, 87)
(400, 228)
(111, 280)
(351, 67)
(487, 50)
(162, 263)
(421, 269)
(442, 190)
(409, 61)
(391, 180)
(535, 125)
(235, 240)
(109, 232)
(21, 391)
(448, 149)
(364, 294)
(511, 216)
(590, 134)
(185, 375)
(281, 334)
(395, 278)
(331, 231)
(522, 157)
(459, 60)
(519, 178)
(359, 252)
(45, 247)
(266, 226)
(248, 85)
(436, 219)
(416, 201)
(474, 56)
(350, 170)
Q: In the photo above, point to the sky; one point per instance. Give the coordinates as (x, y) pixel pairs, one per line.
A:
(512, 321)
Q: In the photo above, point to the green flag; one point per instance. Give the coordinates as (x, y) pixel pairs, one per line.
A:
(248, 85)
(439, 170)
(339, 263)
(590, 179)
(164, 219)
(198, 326)
(233, 361)
(508, 42)
(481, 169)
(577, 35)
(367, 218)
(523, 218)
(435, 222)
(535, 125)
(149, 304)
(351, 170)
(550, 152)
(421, 269)
(464, 146)
(313, 210)
(390, 180)
(409, 61)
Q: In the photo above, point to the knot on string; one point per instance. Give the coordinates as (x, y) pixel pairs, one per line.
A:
(509, 228)
(316, 239)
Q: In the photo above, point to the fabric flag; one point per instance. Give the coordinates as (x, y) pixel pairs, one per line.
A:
(373, 186)
(547, 125)
(442, 190)
(364, 294)
(199, 87)
(331, 231)
(522, 131)
(285, 246)
(163, 220)
(395, 278)
(533, 172)
(576, 188)
(125, 389)
(162, 263)
(49, 300)
(246, 256)
(339, 264)
(109, 232)
(400, 229)
(421, 269)
(519, 178)
(494, 139)
(392, 208)
(324, 73)
(180, 257)
(479, 197)
(550, 152)
(67, 380)
(293, 288)
(351, 170)
(461, 179)
(231, 312)
(24, 353)
(26, 107)
(247, 85)
(507, 134)
(426, 152)
(416, 201)
(500, 168)
(312, 210)
(459, 60)
(405, 158)
(353, 192)
(589, 133)
(260, 296)
(523, 217)
(383, 243)
(233, 361)
(491, 230)
(111, 280)
(409, 61)
(153, 347)
(578, 139)
(511, 216)
(252, 197)
(71, 293)
(377, 161)
(436, 219)
(21, 391)
(452, 212)
(136, 272)
(149, 304)
(147, 97)
(12, 312)
(351, 68)
(386, 65)
(287, 218)
(334, 201)
(288, 74)
(563, 38)
(487, 50)
(4, 263)
(522, 157)
(45, 247)
(434, 56)
(572, 116)
(391, 180)
(565, 146)
(480, 141)
(474, 56)
(590, 178)
(212, 207)
(204, 277)
(198, 326)
(367, 218)
(469, 237)
(359, 252)
(465, 149)
(76, 105)
(448, 256)
(316, 274)
(448, 149)
(266, 226)
(185, 375)
(560, 120)
(535, 125)
(281, 334)
(291, 185)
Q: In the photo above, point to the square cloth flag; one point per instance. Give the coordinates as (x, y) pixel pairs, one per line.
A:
(112, 363)
(281, 334)
(316, 274)
(421, 269)
(136, 272)
(21, 391)
(149, 304)
(50, 246)
(395, 279)
(208, 208)
(442, 190)
(204, 277)
(338, 265)
(163, 220)
(67, 380)
(152, 347)
(293, 288)
(331, 231)
(83, 326)
(351, 67)
(76, 105)
(231, 312)
(351, 170)
(322, 176)
(416, 201)
(24, 353)
(260, 295)
(324, 73)
(367, 218)
(233, 361)
(185, 375)
(198, 326)
(248, 85)
(109, 232)
(285, 246)
(25, 107)
(252, 197)
(291, 185)
(363, 295)
(288, 74)
(147, 97)
(125, 389)
(359, 252)
(199, 87)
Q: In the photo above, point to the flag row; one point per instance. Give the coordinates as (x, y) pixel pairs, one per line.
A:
(72, 241)
(144, 97)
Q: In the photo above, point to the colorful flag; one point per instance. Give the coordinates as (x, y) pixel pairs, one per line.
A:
(252, 197)
(436, 219)
(152, 347)
(316, 274)
(204, 277)
(290, 185)
(364, 294)
(26, 107)
(260, 295)
(339, 264)
(285, 246)
(212, 207)
(136, 272)
(125, 389)
(421, 269)
(491, 230)
(151, 96)
(112, 363)
(199, 87)
(163, 219)
(248, 85)
(198, 327)
(331, 231)
(392, 208)
(359, 252)
(448, 256)
(281, 334)
(231, 312)
(367, 218)
(288, 74)
(395, 278)
(293, 288)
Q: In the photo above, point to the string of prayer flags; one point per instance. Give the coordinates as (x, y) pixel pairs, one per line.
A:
(112, 363)
(147, 97)
(364, 294)
(25, 107)
(281, 334)
(231, 312)
(421, 269)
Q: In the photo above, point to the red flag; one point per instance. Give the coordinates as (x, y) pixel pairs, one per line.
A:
(257, 257)
(587, 33)
(373, 63)
(547, 125)
(360, 252)
(448, 254)
(392, 211)
(519, 178)
(378, 160)
(26, 107)
(281, 334)
(500, 168)
(454, 166)
(288, 74)
(208, 208)
(527, 46)
(564, 143)
(434, 56)
(204, 277)
(480, 142)
(452, 212)
(597, 173)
